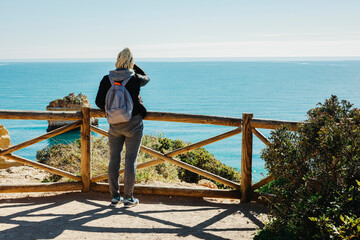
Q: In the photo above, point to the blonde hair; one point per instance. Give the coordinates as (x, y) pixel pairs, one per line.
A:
(125, 59)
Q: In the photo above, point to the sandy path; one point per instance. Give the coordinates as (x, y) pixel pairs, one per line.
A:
(79, 215)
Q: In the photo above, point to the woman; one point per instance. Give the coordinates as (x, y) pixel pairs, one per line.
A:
(130, 132)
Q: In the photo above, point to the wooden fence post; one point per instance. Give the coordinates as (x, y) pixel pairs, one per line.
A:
(85, 149)
(246, 157)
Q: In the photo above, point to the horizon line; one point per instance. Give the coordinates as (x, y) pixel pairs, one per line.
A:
(188, 59)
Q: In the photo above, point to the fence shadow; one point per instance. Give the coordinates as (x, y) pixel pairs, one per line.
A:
(81, 215)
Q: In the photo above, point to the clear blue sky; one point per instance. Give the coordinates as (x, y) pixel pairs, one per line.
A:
(32, 29)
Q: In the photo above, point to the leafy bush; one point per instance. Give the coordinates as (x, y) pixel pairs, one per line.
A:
(67, 157)
(316, 171)
(199, 158)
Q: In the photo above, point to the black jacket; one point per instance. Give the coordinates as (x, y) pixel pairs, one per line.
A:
(133, 86)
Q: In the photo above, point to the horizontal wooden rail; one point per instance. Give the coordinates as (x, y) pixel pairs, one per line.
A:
(272, 124)
(183, 117)
(40, 115)
(43, 167)
(171, 191)
(154, 116)
(194, 118)
(252, 124)
(41, 187)
(40, 138)
(207, 119)
(95, 112)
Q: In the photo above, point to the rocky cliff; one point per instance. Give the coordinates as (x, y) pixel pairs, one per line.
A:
(5, 143)
(71, 102)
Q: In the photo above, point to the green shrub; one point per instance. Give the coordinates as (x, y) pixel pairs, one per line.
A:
(199, 158)
(67, 157)
(316, 169)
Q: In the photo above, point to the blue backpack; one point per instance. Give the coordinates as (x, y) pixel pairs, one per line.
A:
(118, 103)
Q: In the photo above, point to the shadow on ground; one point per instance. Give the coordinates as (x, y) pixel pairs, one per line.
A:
(88, 215)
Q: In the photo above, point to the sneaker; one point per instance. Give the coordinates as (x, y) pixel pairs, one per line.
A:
(131, 202)
(116, 201)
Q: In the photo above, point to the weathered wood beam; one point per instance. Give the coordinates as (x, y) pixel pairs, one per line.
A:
(206, 119)
(246, 158)
(41, 187)
(183, 117)
(262, 182)
(86, 149)
(43, 167)
(170, 191)
(7, 164)
(261, 136)
(273, 124)
(95, 112)
(154, 116)
(40, 115)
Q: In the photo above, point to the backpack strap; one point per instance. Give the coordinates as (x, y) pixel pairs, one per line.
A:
(122, 83)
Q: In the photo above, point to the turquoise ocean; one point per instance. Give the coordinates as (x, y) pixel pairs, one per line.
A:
(282, 90)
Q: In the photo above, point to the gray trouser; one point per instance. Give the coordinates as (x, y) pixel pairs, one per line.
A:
(131, 133)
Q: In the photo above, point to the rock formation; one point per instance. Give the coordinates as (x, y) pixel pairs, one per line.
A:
(68, 103)
(5, 143)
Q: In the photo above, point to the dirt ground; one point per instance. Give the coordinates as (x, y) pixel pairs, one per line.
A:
(77, 215)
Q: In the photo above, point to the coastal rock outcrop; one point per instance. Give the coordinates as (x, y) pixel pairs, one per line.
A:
(5, 142)
(71, 102)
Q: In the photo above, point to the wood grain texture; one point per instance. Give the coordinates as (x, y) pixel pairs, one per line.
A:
(183, 117)
(273, 124)
(43, 167)
(41, 187)
(246, 158)
(262, 182)
(8, 164)
(40, 115)
(170, 191)
(260, 136)
(85, 149)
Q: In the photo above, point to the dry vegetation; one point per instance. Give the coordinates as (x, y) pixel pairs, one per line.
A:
(67, 157)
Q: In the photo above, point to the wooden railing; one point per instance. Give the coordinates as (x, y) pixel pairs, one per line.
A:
(247, 125)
